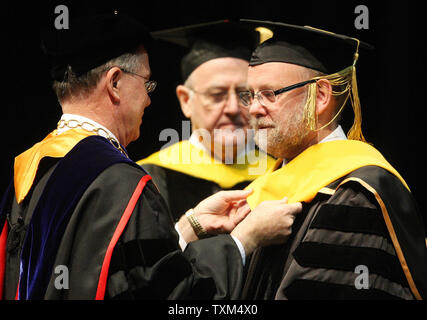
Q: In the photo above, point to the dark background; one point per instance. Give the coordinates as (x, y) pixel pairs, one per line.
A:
(391, 79)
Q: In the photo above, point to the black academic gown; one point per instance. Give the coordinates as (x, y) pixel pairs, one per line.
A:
(117, 242)
(341, 246)
(182, 191)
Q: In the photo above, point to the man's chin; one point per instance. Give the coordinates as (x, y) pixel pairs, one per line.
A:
(230, 138)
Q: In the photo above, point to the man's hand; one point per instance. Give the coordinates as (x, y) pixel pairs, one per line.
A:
(269, 223)
(219, 213)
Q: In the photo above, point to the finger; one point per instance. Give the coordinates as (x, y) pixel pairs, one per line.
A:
(242, 212)
(239, 212)
(295, 208)
(235, 195)
(284, 199)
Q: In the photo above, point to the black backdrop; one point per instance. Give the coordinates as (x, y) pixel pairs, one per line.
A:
(391, 79)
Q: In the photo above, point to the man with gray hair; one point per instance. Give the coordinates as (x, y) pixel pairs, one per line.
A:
(80, 220)
(220, 153)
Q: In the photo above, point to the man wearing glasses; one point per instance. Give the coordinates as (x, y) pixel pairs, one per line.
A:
(81, 220)
(220, 153)
(360, 234)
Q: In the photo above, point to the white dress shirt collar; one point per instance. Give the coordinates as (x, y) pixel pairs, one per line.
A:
(337, 134)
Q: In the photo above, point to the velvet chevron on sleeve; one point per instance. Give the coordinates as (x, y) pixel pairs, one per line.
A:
(345, 245)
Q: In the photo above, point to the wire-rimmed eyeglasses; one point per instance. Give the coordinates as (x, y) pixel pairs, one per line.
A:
(218, 96)
(150, 85)
(268, 97)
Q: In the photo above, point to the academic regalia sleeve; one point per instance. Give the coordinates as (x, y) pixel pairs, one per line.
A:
(349, 252)
(217, 270)
(147, 262)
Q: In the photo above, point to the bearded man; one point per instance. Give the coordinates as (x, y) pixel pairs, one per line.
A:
(360, 235)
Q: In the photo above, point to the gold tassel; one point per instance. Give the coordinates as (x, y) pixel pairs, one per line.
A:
(340, 78)
(347, 78)
(355, 132)
(310, 107)
(264, 34)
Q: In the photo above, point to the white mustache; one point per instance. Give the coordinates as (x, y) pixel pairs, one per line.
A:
(261, 122)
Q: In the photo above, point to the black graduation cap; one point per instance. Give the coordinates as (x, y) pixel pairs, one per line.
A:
(91, 41)
(207, 41)
(332, 54)
(309, 47)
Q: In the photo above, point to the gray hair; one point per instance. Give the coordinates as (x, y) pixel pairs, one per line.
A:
(80, 86)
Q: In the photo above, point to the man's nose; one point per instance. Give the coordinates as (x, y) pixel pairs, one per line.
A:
(233, 104)
(256, 108)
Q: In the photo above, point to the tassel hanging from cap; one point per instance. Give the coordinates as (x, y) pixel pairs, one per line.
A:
(341, 79)
(310, 107)
(346, 80)
(355, 132)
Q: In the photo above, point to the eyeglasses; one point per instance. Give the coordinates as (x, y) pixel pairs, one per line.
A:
(150, 85)
(268, 97)
(216, 97)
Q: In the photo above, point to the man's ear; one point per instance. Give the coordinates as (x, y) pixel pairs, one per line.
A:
(184, 96)
(323, 97)
(113, 78)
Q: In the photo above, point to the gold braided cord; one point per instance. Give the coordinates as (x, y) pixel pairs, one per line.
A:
(310, 107)
(345, 79)
(342, 78)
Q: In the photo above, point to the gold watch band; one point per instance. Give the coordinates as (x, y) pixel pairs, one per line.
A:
(197, 227)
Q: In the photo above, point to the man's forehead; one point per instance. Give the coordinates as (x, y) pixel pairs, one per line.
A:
(221, 72)
(221, 65)
(273, 72)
